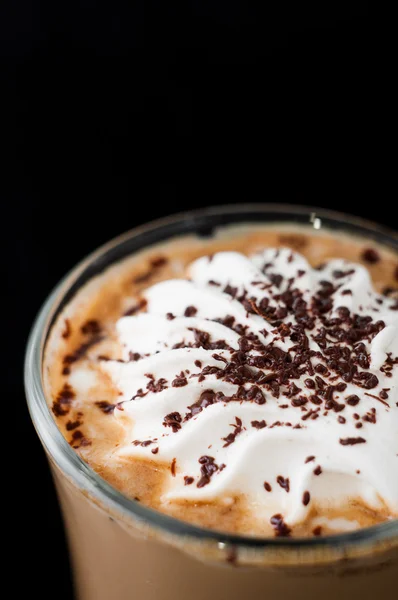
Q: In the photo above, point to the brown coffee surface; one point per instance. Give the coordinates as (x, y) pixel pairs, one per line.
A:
(84, 336)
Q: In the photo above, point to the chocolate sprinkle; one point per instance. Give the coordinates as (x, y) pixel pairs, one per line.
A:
(306, 498)
(267, 486)
(317, 470)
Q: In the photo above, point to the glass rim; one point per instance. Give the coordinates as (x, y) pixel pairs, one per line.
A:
(84, 477)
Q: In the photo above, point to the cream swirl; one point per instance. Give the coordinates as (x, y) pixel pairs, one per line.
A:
(265, 377)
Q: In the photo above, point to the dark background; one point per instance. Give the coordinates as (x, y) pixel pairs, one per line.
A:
(119, 112)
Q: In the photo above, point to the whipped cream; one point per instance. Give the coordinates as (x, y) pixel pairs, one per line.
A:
(264, 377)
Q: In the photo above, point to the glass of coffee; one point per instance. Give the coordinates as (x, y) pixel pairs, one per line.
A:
(217, 396)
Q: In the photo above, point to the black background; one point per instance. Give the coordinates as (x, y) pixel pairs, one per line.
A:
(116, 113)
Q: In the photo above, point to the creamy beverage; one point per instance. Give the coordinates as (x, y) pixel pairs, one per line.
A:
(246, 383)
(220, 413)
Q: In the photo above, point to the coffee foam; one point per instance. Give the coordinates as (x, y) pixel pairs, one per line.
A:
(235, 495)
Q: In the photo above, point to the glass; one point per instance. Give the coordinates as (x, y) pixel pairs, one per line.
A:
(121, 549)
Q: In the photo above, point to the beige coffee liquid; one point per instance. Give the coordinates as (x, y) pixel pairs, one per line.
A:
(81, 394)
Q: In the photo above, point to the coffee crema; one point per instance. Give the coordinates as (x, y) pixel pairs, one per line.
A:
(246, 383)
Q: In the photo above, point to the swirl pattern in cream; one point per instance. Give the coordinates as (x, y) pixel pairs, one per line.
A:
(264, 377)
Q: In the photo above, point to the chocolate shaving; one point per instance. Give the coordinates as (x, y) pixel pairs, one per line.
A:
(207, 398)
(143, 444)
(370, 255)
(78, 440)
(295, 241)
(377, 398)
(338, 274)
(207, 469)
(173, 420)
(71, 425)
(155, 386)
(232, 436)
(351, 441)
(105, 406)
(283, 482)
(67, 331)
(159, 261)
(61, 406)
(154, 265)
(259, 424)
(370, 416)
(232, 556)
(81, 350)
(136, 308)
(91, 327)
(352, 400)
(280, 527)
(180, 380)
